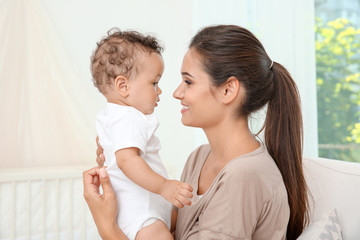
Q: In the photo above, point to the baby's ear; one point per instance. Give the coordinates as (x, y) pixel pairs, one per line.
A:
(121, 84)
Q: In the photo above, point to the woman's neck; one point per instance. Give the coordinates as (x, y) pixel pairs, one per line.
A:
(230, 138)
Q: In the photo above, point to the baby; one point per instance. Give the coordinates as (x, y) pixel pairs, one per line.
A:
(126, 68)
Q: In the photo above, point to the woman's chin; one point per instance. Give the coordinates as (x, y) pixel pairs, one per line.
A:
(188, 123)
(185, 123)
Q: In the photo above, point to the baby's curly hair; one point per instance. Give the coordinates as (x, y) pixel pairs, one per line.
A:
(116, 54)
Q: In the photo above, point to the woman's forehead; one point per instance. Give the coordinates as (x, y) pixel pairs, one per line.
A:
(191, 61)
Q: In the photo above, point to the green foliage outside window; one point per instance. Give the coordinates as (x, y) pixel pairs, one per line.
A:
(338, 89)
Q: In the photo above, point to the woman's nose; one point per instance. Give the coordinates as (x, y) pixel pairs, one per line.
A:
(178, 93)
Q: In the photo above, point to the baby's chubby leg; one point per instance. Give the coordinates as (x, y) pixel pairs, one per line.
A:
(157, 230)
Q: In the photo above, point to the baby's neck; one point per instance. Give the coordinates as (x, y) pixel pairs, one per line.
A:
(116, 101)
(112, 97)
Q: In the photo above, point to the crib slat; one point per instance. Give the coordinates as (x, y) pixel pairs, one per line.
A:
(57, 217)
(28, 210)
(71, 210)
(21, 186)
(13, 210)
(44, 205)
(83, 225)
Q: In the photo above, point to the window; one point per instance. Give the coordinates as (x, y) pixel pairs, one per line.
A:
(337, 33)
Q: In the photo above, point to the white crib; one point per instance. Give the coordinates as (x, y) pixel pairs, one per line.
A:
(44, 204)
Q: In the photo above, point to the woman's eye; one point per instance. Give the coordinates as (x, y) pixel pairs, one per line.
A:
(187, 82)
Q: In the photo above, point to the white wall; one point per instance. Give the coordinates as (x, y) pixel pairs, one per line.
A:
(284, 27)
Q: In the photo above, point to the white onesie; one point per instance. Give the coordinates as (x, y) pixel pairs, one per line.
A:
(121, 127)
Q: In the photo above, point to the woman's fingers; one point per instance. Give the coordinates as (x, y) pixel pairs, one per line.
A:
(105, 182)
(99, 151)
(100, 158)
(91, 183)
(92, 180)
(103, 207)
(97, 141)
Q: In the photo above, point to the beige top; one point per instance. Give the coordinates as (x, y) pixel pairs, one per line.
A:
(247, 200)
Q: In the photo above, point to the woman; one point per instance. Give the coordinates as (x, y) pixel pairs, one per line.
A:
(243, 189)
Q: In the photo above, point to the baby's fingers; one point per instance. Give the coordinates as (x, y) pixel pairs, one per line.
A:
(186, 193)
(187, 187)
(178, 204)
(183, 200)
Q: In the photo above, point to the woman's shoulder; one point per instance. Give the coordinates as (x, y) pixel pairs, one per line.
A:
(195, 160)
(199, 154)
(257, 168)
(200, 150)
(257, 160)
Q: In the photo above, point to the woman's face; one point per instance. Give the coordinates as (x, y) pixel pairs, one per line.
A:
(200, 105)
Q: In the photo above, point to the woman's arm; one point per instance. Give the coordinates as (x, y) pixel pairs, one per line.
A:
(103, 207)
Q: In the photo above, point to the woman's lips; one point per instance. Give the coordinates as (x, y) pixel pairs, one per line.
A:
(184, 108)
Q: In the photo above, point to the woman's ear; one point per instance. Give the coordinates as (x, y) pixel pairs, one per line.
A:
(121, 85)
(230, 90)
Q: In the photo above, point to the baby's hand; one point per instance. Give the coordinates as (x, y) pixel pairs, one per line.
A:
(178, 193)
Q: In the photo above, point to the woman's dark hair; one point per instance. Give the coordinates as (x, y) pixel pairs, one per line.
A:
(228, 50)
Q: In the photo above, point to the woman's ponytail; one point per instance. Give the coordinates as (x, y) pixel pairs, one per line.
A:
(284, 141)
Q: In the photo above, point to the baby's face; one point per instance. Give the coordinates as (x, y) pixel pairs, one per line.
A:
(144, 90)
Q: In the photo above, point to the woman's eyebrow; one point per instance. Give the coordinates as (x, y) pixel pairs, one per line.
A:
(187, 74)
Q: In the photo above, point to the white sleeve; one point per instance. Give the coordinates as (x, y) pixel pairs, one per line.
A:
(129, 131)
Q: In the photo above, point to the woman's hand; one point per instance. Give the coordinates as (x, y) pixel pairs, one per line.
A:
(100, 158)
(103, 207)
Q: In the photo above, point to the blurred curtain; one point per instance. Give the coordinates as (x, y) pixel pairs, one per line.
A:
(42, 119)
